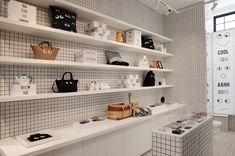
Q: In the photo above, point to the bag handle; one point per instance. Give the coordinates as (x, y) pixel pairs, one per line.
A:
(30, 78)
(71, 75)
(47, 43)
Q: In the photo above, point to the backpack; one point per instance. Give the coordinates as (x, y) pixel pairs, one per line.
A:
(149, 79)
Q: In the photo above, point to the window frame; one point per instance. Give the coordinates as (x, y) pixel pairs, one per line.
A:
(222, 15)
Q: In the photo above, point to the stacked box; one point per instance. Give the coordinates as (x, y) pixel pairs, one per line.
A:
(21, 90)
(97, 85)
(129, 81)
(21, 12)
(133, 37)
(86, 56)
(98, 30)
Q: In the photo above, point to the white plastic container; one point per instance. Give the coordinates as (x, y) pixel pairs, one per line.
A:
(21, 12)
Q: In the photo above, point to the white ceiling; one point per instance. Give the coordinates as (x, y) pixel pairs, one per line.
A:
(176, 4)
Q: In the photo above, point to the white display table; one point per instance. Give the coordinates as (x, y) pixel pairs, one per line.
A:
(197, 141)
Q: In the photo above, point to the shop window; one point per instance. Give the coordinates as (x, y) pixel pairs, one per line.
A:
(224, 21)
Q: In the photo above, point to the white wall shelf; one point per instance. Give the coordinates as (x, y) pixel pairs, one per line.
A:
(50, 63)
(73, 134)
(79, 93)
(35, 29)
(92, 15)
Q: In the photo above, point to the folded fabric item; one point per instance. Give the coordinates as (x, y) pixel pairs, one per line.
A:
(141, 111)
(120, 63)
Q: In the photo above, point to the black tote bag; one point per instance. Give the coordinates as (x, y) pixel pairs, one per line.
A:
(64, 86)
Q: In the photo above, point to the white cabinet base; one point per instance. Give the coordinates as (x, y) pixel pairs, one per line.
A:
(71, 150)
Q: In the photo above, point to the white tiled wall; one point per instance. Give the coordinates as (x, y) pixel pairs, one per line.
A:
(33, 115)
(228, 122)
(224, 119)
(126, 10)
(189, 62)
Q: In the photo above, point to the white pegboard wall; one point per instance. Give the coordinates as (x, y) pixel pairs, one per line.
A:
(34, 115)
(189, 61)
(130, 11)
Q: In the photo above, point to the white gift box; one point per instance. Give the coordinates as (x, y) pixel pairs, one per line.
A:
(128, 86)
(107, 32)
(98, 30)
(95, 86)
(20, 90)
(96, 34)
(21, 12)
(136, 77)
(133, 37)
(95, 24)
(104, 86)
(129, 81)
(86, 56)
(128, 77)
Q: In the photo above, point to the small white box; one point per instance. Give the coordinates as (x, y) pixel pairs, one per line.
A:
(98, 35)
(86, 56)
(136, 76)
(107, 32)
(95, 24)
(128, 86)
(21, 12)
(99, 30)
(133, 37)
(19, 90)
(128, 77)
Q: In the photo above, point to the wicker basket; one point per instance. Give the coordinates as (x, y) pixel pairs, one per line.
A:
(121, 110)
(45, 51)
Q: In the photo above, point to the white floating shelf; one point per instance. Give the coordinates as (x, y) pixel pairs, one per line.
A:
(92, 15)
(35, 29)
(79, 93)
(50, 63)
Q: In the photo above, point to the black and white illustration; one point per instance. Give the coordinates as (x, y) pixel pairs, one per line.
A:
(223, 72)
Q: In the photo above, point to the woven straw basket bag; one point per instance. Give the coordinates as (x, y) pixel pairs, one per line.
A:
(45, 51)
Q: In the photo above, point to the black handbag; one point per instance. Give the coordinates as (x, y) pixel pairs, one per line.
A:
(149, 79)
(64, 86)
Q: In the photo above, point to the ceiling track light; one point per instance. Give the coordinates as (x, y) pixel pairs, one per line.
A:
(169, 8)
(214, 5)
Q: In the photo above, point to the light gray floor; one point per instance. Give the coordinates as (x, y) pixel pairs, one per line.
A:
(224, 144)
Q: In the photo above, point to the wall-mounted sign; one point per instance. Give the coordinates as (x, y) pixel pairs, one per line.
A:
(223, 71)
